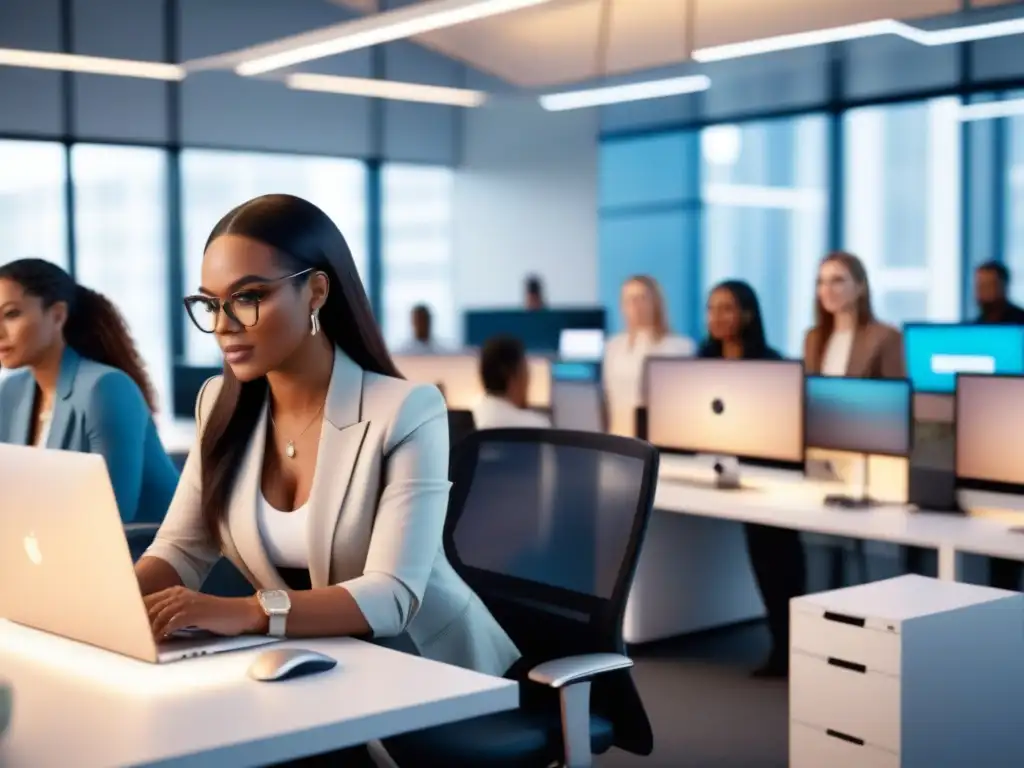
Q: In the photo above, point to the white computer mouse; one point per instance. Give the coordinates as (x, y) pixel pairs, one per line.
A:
(287, 663)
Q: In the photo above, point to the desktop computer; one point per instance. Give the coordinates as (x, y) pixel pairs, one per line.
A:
(458, 378)
(989, 425)
(581, 345)
(864, 416)
(936, 353)
(745, 411)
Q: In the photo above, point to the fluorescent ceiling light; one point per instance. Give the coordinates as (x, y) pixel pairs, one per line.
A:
(992, 110)
(927, 37)
(93, 65)
(386, 89)
(616, 94)
(409, 21)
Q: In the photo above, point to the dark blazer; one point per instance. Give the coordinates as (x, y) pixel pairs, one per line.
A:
(1010, 315)
(710, 349)
(877, 352)
(98, 409)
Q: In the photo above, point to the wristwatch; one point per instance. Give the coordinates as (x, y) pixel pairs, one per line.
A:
(276, 604)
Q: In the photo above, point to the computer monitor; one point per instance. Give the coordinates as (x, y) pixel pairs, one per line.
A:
(936, 353)
(989, 425)
(867, 416)
(581, 345)
(578, 405)
(752, 410)
(458, 376)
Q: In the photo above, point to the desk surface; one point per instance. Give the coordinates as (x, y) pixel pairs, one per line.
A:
(78, 705)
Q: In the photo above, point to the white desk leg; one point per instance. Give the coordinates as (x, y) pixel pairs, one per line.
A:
(949, 563)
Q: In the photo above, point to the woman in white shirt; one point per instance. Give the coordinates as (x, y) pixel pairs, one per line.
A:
(506, 378)
(647, 335)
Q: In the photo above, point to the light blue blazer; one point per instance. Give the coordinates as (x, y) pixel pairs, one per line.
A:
(98, 409)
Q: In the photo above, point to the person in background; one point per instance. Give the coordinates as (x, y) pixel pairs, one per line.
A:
(534, 299)
(991, 285)
(847, 339)
(647, 335)
(82, 387)
(506, 379)
(422, 342)
(736, 332)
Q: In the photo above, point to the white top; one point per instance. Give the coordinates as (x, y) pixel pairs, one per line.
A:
(622, 374)
(836, 357)
(496, 412)
(284, 534)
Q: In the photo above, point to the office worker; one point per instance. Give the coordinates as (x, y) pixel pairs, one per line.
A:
(506, 379)
(82, 385)
(736, 331)
(846, 339)
(319, 472)
(991, 286)
(534, 293)
(647, 335)
(422, 341)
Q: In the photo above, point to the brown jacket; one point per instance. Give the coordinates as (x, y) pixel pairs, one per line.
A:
(877, 352)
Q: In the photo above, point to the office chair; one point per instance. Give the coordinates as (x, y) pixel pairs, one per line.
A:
(140, 536)
(460, 426)
(546, 526)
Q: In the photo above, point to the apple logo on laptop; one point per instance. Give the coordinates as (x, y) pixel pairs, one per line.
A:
(32, 549)
(717, 406)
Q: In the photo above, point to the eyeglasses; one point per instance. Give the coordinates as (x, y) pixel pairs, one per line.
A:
(243, 307)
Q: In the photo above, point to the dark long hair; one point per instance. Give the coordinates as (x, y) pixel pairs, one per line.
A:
(303, 237)
(752, 336)
(94, 328)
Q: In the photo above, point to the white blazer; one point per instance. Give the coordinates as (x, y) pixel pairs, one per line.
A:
(494, 412)
(376, 515)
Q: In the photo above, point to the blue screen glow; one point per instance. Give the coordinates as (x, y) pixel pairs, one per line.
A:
(861, 415)
(936, 353)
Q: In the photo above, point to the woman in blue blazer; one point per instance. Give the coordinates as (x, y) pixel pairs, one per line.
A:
(82, 386)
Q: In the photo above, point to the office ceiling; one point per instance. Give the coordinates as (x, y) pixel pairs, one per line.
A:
(559, 42)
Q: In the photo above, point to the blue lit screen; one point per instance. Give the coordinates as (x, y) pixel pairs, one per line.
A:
(936, 353)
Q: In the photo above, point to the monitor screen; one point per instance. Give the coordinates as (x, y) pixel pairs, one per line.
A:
(581, 344)
(751, 409)
(989, 425)
(578, 405)
(458, 377)
(936, 353)
(870, 416)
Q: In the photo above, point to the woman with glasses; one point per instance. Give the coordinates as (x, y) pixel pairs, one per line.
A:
(82, 386)
(319, 471)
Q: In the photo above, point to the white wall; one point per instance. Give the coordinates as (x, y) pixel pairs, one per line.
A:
(525, 202)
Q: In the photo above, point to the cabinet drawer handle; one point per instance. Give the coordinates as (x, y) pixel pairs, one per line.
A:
(842, 618)
(853, 667)
(845, 737)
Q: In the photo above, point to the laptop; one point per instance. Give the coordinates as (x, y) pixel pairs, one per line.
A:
(65, 566)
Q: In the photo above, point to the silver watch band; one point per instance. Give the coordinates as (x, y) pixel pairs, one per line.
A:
(277, 622)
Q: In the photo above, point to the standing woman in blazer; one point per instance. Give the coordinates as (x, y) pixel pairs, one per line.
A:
(647, 335)
(82, 386)
(736, 331)
(318, 470)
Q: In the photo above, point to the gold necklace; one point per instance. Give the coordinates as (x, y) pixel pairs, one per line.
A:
(289, 448)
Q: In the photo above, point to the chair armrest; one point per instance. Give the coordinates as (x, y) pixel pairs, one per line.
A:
(140, 536)
(558, 673)
(571, 677)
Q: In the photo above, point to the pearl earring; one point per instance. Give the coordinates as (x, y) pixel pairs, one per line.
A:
(314, 321)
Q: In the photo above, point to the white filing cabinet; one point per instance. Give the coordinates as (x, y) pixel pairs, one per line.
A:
(909, 672)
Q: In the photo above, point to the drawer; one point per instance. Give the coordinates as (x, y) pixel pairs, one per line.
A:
(811, 747)
(876, 649)
(827, 694)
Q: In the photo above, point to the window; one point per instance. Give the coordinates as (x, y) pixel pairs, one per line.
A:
(1014, 226)
(765, 193)
(215, 182)
(416, 243)
(33, 219)
(902, 207)
(121, 244)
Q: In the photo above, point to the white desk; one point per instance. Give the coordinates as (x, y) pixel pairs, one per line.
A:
(694, 572)
(77, 705)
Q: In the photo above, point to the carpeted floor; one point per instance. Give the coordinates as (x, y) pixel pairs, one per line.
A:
(705, 709)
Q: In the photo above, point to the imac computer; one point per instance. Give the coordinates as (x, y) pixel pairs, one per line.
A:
(458, 378)
(989, 425)
(735, 411)
(865, 416)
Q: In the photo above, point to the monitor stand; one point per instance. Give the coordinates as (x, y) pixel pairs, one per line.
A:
(727, 473)
(858, 501)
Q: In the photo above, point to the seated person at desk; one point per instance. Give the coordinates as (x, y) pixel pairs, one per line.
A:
(83, 386)
(422, 341)
(647, 335)
(736, 331)
(319, 472)
(506, 379)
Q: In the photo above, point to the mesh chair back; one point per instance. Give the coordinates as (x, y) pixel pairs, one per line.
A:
(546, 526)
(460, 426)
